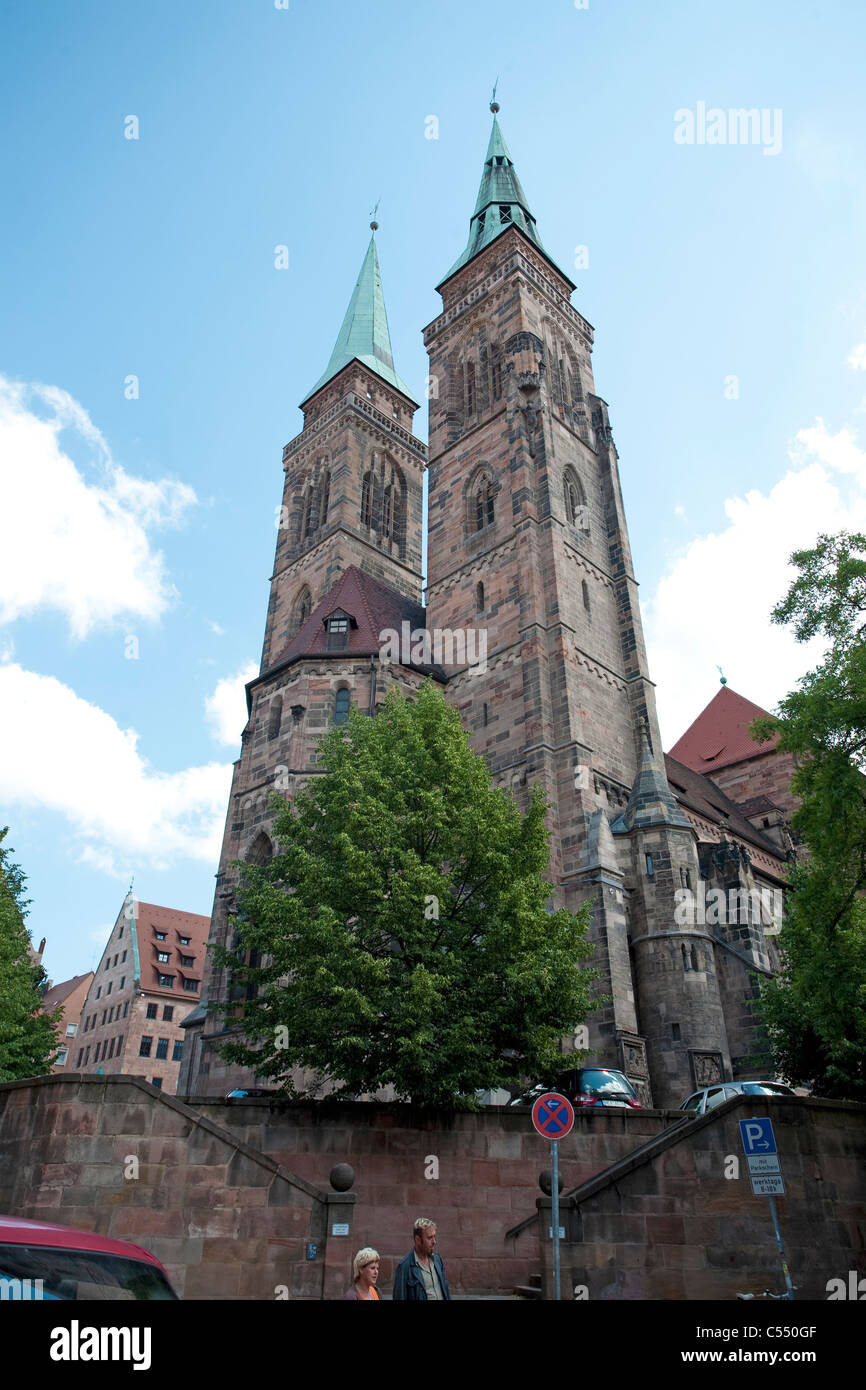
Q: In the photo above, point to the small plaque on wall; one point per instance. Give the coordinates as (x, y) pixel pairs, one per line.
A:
(340, 1228)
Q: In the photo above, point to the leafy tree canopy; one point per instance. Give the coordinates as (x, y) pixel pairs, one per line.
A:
(404, 924)
(28, 1038)
(815, 1010)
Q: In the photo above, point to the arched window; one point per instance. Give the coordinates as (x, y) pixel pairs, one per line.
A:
(341, 705)
(325, 489)
(479, 597)
(484, 716)
(388, 511)
(301, 610)
(484, 511)
(576, 510)
(276, 714)
(470, 388)
(261, 851)
(309, 517)
(584, 587)
(367, 498)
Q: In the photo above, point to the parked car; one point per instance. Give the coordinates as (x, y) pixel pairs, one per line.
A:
(588, 1086)
(39, 1260)
(701, 1101)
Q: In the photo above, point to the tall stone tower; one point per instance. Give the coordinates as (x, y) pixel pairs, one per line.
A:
(347, 566)
(528, 540)
(528, 544)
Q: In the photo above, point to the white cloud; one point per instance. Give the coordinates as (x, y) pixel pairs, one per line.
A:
(226, 708)
(713, 605)
(76, 545)
(71, 757)
(857, 357)
(680, 512)
(215, 628)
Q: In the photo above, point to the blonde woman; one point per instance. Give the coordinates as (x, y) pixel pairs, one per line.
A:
(365, 1272)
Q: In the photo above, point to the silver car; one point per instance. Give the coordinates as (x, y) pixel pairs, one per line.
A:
(701, 1101)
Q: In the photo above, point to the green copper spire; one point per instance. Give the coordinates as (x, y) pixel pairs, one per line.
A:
(501, 201)
(364, 334)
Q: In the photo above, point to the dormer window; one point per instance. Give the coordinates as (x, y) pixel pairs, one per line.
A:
(337, 626)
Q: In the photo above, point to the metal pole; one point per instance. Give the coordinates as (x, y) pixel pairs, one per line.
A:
(554, 1154)
(788, 1285)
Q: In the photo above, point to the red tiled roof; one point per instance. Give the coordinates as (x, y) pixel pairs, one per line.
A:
(57, 994)
(149, 917)
(720, 734)
(701, 794)
(374, 606)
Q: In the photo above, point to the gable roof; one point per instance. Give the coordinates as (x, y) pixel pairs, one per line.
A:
(720, 734)
(375, 606)
(58, 994)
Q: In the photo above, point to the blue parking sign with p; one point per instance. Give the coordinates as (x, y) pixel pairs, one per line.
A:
(757, 1137)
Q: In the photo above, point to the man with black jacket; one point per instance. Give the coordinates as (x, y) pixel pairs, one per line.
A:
(421, 1276)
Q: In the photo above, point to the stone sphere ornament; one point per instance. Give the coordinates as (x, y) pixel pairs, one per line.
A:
(545, 1181)
(341, 1177)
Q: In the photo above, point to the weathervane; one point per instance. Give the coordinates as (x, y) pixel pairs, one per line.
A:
(723, 680)
(494, 104)
(374, 225)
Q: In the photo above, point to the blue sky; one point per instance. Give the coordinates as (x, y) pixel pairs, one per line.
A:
(727, 288)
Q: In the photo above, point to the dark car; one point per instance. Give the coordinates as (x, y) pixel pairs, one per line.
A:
(39, 1260)
(711, 1096)
(589, 1087)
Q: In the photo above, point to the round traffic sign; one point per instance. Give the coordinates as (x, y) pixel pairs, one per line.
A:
(553, 1115)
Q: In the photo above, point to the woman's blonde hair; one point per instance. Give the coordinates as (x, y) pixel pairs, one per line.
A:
(362, 1259)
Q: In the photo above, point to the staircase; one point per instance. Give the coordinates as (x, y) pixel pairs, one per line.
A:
(530, 1290)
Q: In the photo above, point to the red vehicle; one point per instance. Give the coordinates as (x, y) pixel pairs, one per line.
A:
(39, 1260)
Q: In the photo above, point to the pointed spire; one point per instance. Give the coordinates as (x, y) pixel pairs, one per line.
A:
(501, 201)
(364, 334)
(651, 801)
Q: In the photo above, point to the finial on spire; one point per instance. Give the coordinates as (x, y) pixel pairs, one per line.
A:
(374, 225)
(723, 680)
(494, 104)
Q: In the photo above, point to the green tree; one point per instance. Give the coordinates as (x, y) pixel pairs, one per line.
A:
(405, 923)
(815, 1010)
(28, 1037)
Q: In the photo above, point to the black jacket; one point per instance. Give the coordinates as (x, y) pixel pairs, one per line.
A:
(409, 1281)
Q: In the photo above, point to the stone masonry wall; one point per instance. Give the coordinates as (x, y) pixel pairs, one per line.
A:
(666, 1223)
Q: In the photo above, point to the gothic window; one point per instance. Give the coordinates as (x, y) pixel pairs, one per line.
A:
(276, 715)
(479, 597)
(496, 374)
(341, 705)
(649, 865)
(325, 494)
(470, 388)
(585, 591)
(576, 510)
(309, 520)
(260, 852)
(484, 512)
(484, 716)
(301, 611)
(388, 511)
(367, 492)
(686, 961)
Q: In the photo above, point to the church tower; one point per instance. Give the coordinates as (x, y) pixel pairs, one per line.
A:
(528, 541)
(347, 566)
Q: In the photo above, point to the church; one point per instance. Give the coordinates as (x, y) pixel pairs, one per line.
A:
(528, 547)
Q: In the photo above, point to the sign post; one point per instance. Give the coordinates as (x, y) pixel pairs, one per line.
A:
(553, 1118)
(765, 1171)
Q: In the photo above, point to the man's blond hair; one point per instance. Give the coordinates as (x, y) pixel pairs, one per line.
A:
(422, 1224)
